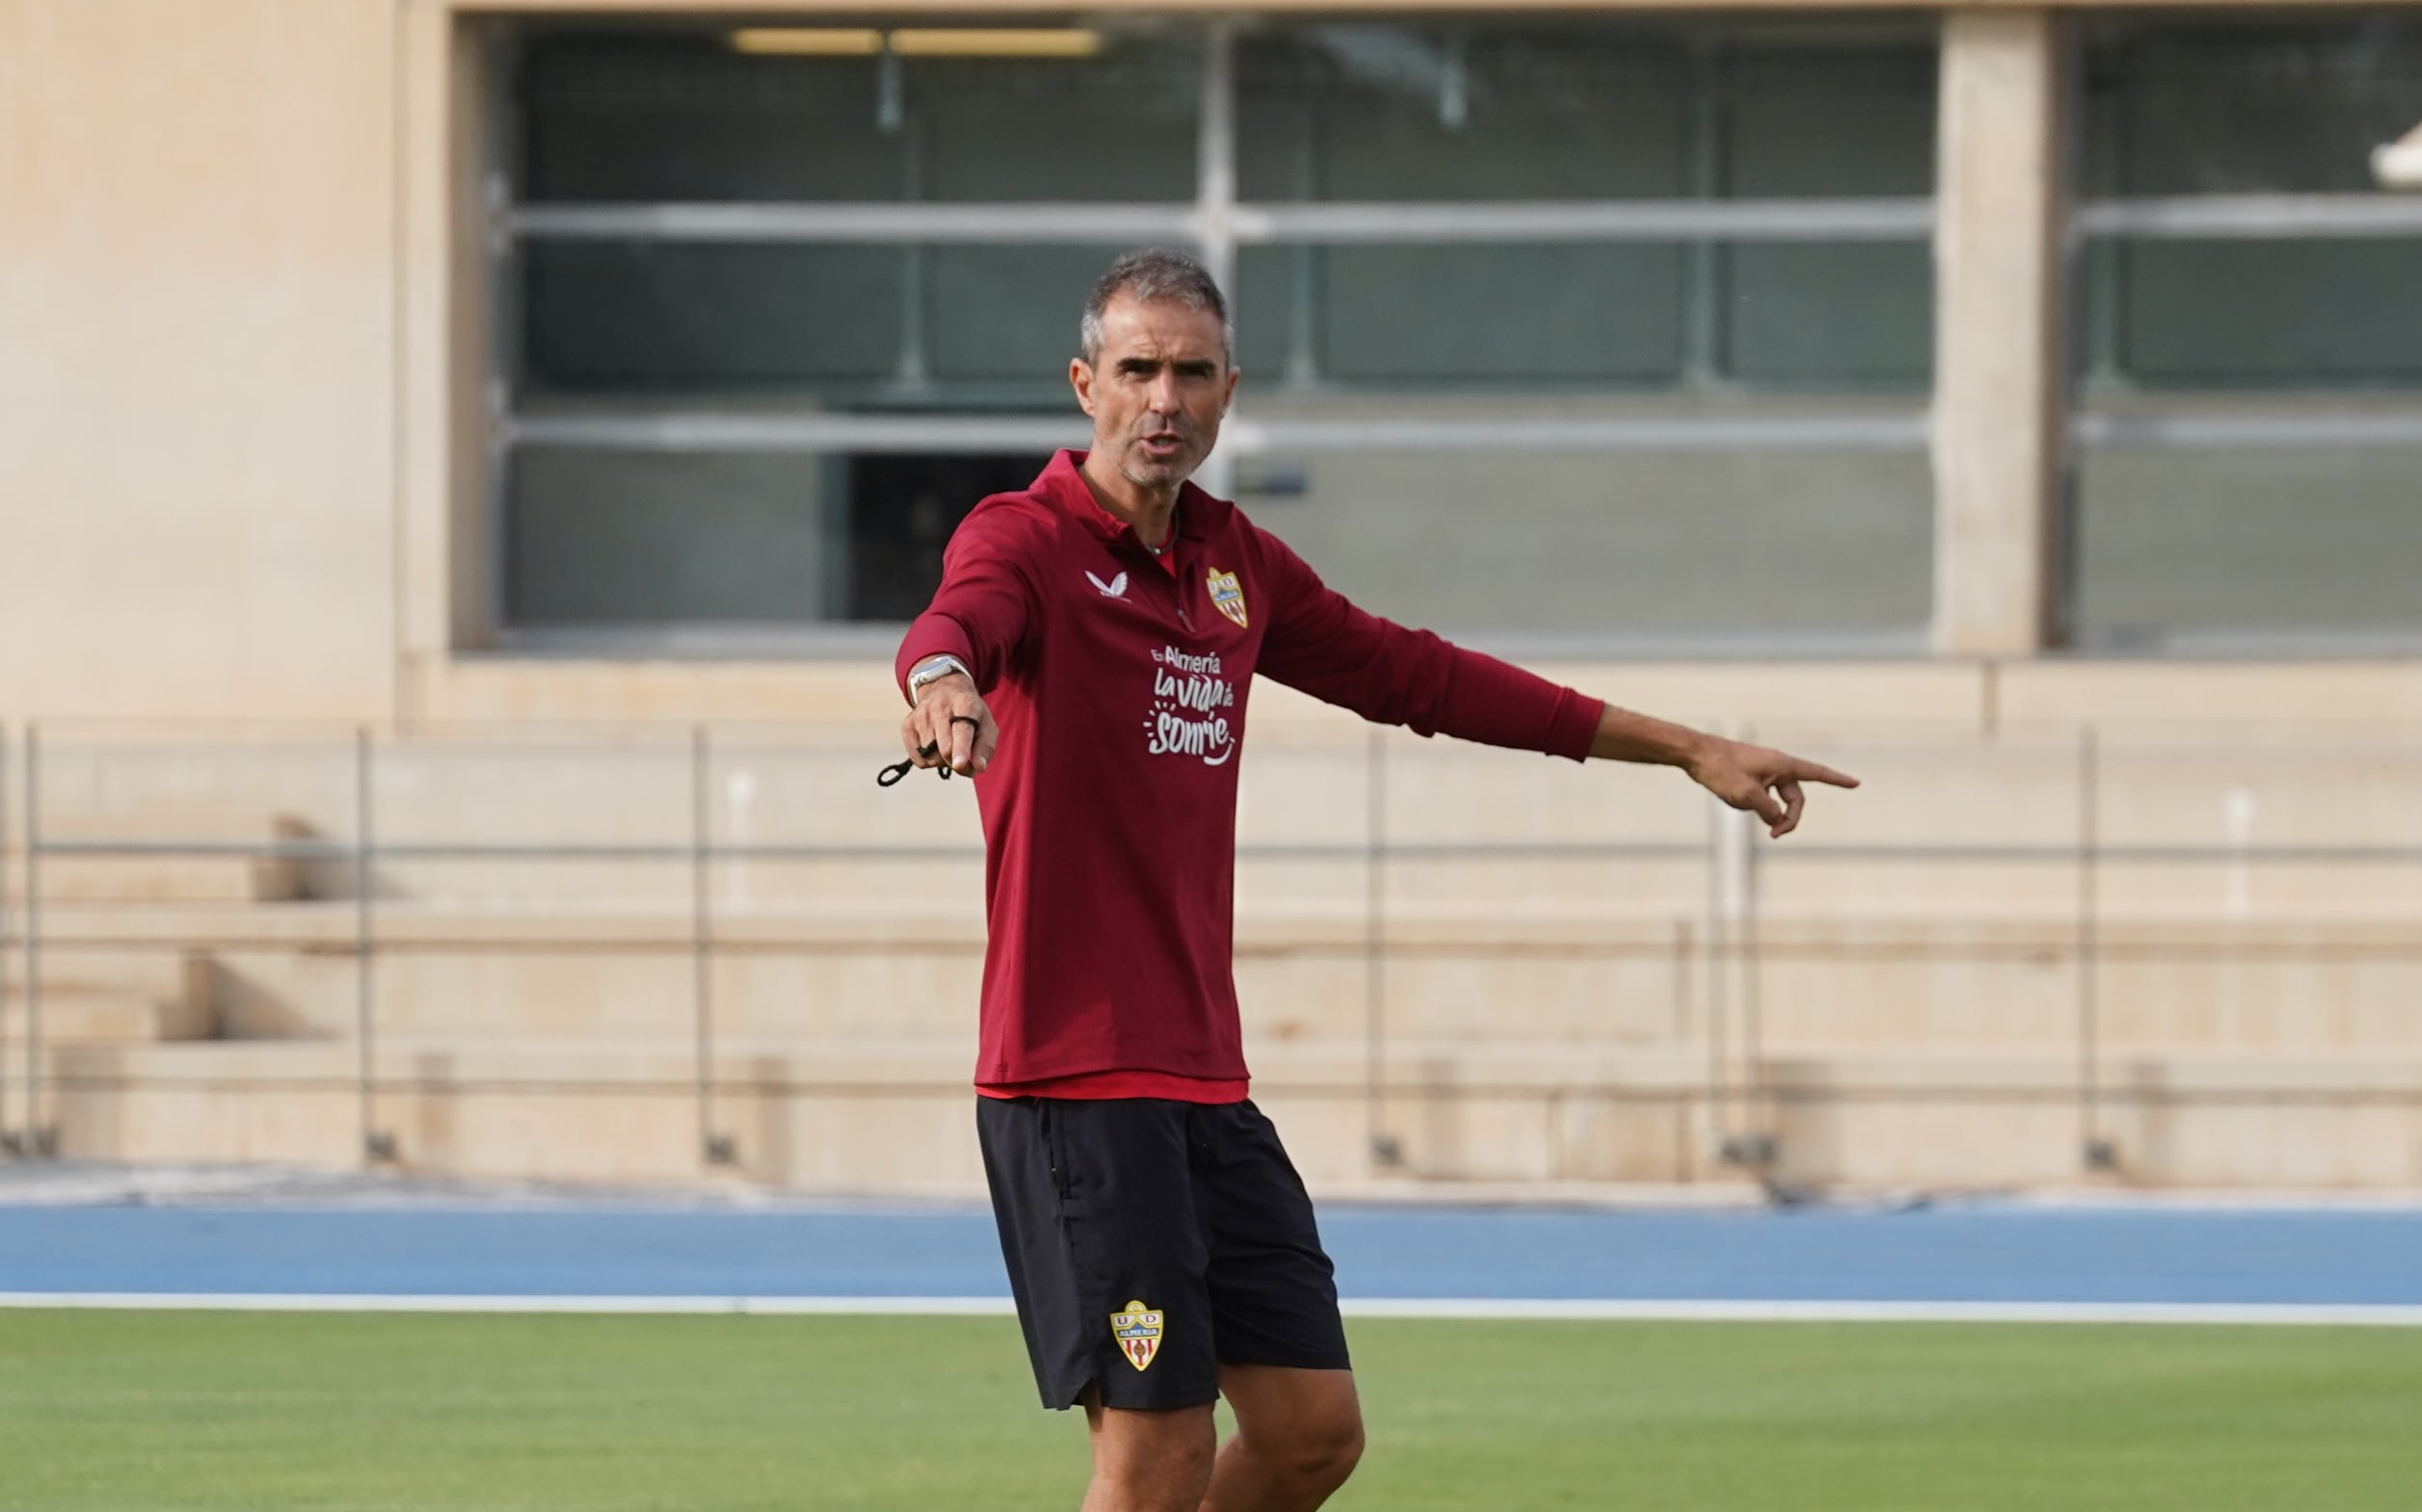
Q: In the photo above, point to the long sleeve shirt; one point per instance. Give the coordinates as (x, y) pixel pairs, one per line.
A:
(1119, 680)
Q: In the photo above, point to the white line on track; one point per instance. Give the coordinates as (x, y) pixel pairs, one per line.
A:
(2289, 1314)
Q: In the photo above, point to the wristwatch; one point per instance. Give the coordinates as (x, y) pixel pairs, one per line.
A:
(932, 668)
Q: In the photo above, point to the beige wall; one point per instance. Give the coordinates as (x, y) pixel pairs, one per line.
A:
(197, 355)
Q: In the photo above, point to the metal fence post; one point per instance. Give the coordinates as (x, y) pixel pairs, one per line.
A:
(1758, 1149)
(2095, 1150)
(1385, 1148)
(1685, 1015)
(1718, 997)
(8, 942)
(30, 1138)
(377, 1144)
(715, 1148)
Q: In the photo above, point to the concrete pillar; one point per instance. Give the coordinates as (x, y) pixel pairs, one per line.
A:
(1999, 388)
(446, 572)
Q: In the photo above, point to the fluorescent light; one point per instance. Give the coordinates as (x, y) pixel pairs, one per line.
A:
(941, 41)
(810, 42)
(919, 42)
(2399, 164)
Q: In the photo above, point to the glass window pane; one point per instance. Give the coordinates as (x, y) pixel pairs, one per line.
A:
(1804, 316)
(681, 116)
(1624, 545)
(2255, 543)
(598, 538)
(1271, 298)
(1536, 111)
(1816, 122)
(607, 537)
(2233, 106)
(902, 509)
(1828, 315)
(675, 317)
(680, 315)
(2248, 540)
(2277, 313)
(1556, 315)
(2230, 105)
(1825, 120)
(1009, 314)
(1388, 112)
(1614, 546)
(1119, 126)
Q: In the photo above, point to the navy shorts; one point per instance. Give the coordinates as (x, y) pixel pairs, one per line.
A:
(1150, 1242)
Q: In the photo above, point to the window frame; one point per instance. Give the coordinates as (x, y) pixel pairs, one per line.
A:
(1216, 224)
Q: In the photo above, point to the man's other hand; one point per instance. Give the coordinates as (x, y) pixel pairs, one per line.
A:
(950, 722)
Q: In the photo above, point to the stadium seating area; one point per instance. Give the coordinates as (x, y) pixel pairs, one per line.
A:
(1549, 975)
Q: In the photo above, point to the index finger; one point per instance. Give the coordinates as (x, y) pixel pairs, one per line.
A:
(1817, 772)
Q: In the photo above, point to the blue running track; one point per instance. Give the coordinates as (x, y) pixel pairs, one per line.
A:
(1979, 1253)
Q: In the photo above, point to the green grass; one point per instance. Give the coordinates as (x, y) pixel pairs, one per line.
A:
(146, 1412)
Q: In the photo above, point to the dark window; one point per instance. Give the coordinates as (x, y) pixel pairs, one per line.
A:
(902, 509)
(677, 264)
(1369, 113)
(2272, 538)
(2236, 107)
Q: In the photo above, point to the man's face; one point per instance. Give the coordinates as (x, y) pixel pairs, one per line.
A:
(1156, 390)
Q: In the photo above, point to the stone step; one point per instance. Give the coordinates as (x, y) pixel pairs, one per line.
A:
(1786, 881)
(1509, 1066)
(895, 1118)
(100, 1016)
(824, 979)
(161, 973)
(1468, 919)
(1927, 781)
(131, 880)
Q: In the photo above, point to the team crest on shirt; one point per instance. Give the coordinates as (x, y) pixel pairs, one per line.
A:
(1137, 1330)
(1227, 595)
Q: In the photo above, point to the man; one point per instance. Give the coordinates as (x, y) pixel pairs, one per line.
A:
(1088, 655)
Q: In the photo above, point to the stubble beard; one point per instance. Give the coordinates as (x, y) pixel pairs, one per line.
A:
(1158, 475)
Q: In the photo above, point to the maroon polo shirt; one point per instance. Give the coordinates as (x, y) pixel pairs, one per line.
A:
(1120, 681)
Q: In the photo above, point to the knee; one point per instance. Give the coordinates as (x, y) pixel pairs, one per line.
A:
(1172, 1471)
(1344, 1450)
(1323, 1451)
(1176, 1484)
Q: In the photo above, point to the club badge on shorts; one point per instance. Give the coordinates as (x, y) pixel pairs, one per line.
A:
(1137, 1330)
(1228, 595)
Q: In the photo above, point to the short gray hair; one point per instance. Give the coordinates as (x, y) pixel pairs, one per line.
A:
(1148, 274)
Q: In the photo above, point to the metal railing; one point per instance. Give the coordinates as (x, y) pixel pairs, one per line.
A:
(1720, 945)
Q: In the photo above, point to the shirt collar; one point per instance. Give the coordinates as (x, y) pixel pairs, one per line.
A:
(1200, 517)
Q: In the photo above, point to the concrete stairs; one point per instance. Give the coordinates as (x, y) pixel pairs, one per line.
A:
(1521, 1044)
(86, 989)
(894, 1116)
(1907, 1022)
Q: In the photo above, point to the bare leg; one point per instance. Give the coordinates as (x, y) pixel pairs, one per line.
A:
(1299, 1434)
(1148, 1460)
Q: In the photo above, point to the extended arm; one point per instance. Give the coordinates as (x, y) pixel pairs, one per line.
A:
(1321, 643)
(1327, 647)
